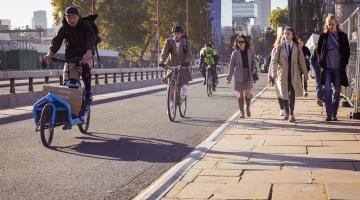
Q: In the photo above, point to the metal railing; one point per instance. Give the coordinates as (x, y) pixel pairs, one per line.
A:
(119, 75)
(351, 27)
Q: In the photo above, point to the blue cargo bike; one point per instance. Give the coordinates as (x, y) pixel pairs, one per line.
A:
(52, 111)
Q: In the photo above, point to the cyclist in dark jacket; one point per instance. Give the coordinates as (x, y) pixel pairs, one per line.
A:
(80, 40)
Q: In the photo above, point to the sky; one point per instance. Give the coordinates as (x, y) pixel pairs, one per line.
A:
(20, 12)
(226, 18)
(278, 3)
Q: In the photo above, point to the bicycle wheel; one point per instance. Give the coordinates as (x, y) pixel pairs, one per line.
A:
(182, 107)
(171, 101)
(83, 127)
(46, 128)
(208, 83)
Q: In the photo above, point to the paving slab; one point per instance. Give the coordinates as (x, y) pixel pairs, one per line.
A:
(343, 190)
(191, 175)
(204, 164)
(273, 176)
(280, 149)
(318, 165)
(335, 176)
(292, 142)
(299, 192)
(243, 191)
(217, 179)
(221, 172)
(199, 190)
(264, 157)
(176, 189)
(243, 165)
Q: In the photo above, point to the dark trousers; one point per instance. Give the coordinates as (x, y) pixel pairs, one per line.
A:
(281, 103)
(86, 76)
(332, 91)
(212, 71)
(304, 82)
(289, 105)
(319, 87)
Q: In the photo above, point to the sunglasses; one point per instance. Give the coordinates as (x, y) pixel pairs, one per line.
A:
(241, 41)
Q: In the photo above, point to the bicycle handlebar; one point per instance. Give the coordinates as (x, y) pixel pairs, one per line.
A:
(176, 67)
(75, 60)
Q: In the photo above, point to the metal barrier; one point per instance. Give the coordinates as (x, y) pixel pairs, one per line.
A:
(351, 27)
(129, 74)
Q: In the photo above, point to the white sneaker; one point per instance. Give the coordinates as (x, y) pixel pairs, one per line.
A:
(184, 91)
(282, 112)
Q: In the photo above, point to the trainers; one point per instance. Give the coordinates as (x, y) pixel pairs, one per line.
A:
(282, 112)
(286, 118)
(184, 91)
(292, 119)
(319, 102)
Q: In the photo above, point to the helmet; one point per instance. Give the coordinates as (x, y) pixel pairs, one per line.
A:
(178, 29)
(72, 10)
(209, 44)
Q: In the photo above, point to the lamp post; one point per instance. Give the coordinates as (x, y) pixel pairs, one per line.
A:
(187, 16)
(157, 31)
(93, 3)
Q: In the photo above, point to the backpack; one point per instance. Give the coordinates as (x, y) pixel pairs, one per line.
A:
(91, 20)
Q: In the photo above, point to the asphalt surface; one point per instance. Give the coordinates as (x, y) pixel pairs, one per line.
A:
(131, 143)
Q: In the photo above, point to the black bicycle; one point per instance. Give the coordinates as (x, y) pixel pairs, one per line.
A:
(209, 81)
(174, 99)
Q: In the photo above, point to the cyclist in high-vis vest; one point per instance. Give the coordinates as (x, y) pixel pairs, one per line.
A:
(208, 56)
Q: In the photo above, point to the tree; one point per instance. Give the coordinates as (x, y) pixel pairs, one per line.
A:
(279, 18)
(130, 26)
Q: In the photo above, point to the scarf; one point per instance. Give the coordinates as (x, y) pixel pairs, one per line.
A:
(333, 41)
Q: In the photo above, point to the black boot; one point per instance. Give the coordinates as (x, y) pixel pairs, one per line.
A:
(248, 101)
(241, 107)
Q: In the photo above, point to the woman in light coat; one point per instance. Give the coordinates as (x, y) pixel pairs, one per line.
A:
(278, 40)
(288, 64)
(242, 66)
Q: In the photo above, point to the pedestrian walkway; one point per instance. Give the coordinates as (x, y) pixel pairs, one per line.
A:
(265, 157)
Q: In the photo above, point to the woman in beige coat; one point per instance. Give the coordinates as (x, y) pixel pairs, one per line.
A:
(288, 63)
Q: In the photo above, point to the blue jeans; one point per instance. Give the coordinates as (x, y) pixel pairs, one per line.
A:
(332, 91)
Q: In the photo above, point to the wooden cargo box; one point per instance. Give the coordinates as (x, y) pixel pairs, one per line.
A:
(71, 95)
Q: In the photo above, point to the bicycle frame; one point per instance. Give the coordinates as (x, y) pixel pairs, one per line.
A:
(59, 105)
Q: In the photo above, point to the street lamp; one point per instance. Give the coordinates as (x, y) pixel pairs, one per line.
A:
(93, 3)
(187, 16)
(158, 31)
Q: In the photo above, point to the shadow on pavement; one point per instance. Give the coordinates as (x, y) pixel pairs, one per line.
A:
(126, 148)
(302, 125)
(201, 121)
(289, 161)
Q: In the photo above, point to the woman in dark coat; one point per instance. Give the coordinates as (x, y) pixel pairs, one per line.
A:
(334, 53)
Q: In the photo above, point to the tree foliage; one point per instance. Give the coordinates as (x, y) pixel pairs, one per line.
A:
(279, 18)
(130, 26)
